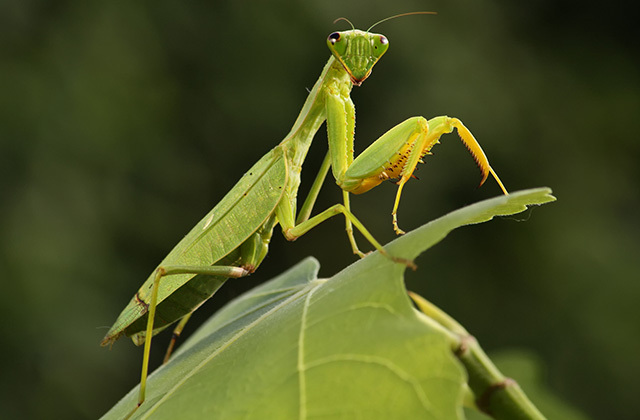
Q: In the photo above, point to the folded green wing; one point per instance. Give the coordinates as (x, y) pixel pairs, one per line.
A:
(238, 215)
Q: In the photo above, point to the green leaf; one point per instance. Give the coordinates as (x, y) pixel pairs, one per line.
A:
(419, 240)
(350, 346)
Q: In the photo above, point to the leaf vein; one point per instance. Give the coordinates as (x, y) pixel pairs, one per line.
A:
(308, 289)
(385, 363)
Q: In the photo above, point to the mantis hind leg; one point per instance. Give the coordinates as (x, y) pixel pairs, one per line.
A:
(226, 271)
(252, 252)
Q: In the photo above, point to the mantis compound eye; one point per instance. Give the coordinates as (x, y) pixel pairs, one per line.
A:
(334, 37)
(380, 44)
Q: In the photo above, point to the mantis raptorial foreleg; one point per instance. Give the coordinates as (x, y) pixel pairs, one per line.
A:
(396, 154)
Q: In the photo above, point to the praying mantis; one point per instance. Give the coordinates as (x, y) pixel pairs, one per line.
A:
(232, 239)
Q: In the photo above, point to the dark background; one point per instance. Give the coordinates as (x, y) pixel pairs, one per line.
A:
(122, 124)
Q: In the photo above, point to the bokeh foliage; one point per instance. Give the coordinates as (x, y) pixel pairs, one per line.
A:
(122, 123)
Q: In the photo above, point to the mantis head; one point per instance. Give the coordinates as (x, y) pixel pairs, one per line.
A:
(357, 51)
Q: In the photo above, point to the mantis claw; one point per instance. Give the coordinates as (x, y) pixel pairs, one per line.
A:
(361, 254)
(395, 226)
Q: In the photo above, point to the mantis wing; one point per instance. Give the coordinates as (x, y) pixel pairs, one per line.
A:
(215, 238)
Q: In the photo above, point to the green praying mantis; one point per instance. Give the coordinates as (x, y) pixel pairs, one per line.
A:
(232, 239)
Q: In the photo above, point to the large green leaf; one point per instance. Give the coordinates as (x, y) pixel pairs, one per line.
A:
(351, 346)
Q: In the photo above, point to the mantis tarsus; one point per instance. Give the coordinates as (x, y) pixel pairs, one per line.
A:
(232, 239)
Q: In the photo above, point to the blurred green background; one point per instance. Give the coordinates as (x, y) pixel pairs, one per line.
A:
(123, 123)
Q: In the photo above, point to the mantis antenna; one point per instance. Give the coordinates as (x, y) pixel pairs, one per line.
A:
(397, 16)
(346, 20)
